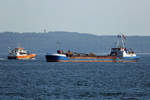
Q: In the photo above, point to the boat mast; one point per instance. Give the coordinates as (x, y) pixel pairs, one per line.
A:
(123, 44)
(120, 41)
(123, 38)
(117, 44)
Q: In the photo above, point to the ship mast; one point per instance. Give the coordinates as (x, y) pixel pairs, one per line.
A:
(121, 41)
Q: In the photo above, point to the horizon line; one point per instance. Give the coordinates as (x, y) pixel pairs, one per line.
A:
(70, 32)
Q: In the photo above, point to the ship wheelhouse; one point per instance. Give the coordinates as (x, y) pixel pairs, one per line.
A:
(20, 53)
(122, 52)
(117, 52)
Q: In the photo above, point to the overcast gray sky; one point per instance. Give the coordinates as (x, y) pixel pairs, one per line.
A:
(86, 16)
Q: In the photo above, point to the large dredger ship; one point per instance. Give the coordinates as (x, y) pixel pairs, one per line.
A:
(117, 54)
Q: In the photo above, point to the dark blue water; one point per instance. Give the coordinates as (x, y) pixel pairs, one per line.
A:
(39, 80)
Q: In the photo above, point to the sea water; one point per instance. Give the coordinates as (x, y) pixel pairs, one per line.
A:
(40, 80)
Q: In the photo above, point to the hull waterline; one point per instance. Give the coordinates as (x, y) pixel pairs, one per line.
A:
(30, 56)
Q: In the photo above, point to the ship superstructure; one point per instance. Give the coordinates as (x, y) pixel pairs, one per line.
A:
(20, 53)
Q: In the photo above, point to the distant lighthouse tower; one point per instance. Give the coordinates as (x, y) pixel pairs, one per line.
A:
(45, 31)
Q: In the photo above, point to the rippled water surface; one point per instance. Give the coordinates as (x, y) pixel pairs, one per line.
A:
(39, 80)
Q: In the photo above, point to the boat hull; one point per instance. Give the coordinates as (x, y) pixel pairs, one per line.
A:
(30, 56)
(52, 58)
(56, 58)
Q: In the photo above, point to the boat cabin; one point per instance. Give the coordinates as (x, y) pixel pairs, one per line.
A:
(122, 52)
